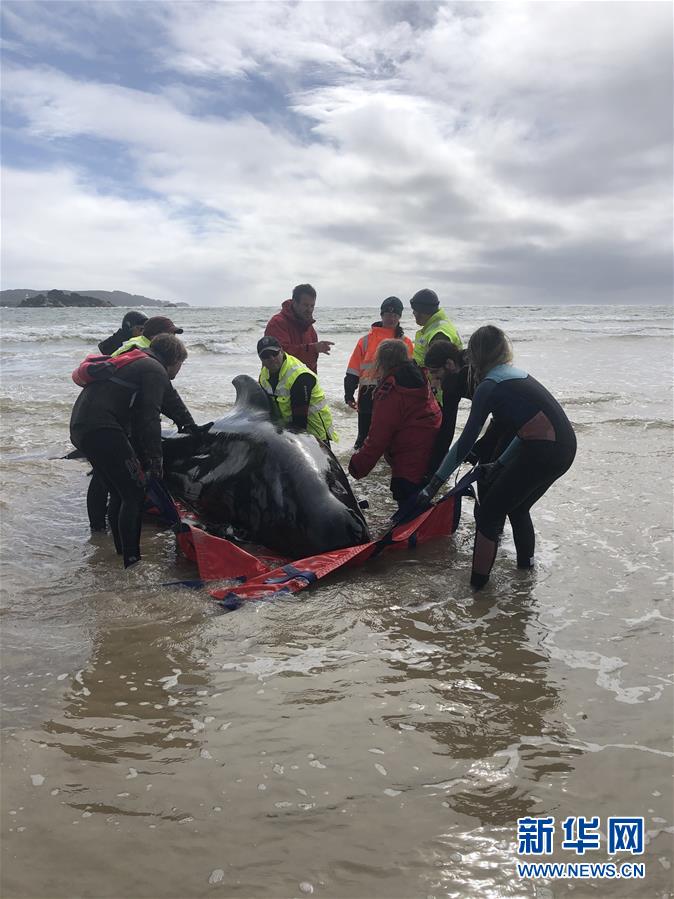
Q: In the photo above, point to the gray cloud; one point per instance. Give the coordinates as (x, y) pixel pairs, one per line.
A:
(504, 152)
(596, 272)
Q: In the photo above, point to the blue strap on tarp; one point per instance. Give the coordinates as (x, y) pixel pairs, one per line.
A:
(464, 486)
(290, 573)
(162, 499)
(232, 601)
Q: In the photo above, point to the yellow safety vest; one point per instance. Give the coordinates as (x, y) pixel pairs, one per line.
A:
(140, 343)
(438, 323)
(319, 420)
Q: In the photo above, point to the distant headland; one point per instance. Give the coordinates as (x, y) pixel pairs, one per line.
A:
(55, 299)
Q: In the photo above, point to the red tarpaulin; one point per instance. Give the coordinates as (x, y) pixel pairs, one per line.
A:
(219, 559)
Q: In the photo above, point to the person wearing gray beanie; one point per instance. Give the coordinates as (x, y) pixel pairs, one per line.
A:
(434, 324)
(433, 321)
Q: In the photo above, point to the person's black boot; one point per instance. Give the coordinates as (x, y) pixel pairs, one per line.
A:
(478, 581)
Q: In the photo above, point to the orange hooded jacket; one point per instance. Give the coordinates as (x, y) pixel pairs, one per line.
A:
(362, 361)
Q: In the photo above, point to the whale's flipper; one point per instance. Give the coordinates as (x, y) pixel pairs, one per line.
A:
(250, 396)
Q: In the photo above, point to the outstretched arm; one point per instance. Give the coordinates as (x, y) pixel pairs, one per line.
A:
(378, 439)
(479, 411)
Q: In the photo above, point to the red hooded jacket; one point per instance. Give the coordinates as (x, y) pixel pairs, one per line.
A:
(405, 422)
(294, 335)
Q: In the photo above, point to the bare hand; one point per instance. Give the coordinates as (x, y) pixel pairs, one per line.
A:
(323, 346)
(351, 404)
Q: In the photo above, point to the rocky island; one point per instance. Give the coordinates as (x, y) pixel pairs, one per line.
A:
(16, 297)
(55, 299)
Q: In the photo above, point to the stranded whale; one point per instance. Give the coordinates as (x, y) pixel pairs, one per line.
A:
(274, 486)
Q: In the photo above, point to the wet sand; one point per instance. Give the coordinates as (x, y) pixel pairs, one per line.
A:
(376, 736)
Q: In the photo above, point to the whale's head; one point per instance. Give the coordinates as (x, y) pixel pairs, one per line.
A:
(278, 486)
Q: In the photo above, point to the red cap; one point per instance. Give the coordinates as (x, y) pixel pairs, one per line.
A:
(159, 324)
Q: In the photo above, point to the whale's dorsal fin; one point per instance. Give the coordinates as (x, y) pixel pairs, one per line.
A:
(250, 396)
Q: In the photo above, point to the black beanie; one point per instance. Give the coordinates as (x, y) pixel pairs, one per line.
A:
(425, 299)
(133, 319)
(392, 304)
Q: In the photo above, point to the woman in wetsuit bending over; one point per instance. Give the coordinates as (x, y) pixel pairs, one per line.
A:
(542, 449)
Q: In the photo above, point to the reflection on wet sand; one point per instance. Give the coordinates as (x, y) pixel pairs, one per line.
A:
(488, 673)
(136, 704)
(120, 686)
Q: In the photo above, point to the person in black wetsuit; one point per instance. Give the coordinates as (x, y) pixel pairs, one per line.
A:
(541, 451)
(132, 326)
(107, 411)
(448, 370)
(97, 494)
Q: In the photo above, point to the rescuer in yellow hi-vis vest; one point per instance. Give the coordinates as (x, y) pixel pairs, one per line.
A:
(435, 324)
(361, 373)
(294, 391)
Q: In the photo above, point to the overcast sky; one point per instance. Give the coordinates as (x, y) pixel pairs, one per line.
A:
(220, 153)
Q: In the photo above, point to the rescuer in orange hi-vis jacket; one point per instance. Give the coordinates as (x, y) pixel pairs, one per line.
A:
(361, 373)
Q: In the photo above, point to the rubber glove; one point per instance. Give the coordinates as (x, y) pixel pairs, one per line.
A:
(418, 502)
(488, 472)
(194, 428)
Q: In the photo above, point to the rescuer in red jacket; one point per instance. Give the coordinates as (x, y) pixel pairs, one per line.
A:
(293, 327)
(405, 422)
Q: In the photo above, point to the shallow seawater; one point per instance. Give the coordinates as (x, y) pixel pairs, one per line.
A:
(379, 734)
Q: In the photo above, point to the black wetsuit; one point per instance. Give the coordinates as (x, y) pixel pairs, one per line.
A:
(104, 415)
(542, 449)
(97, 502)
(455, 385)
(114, 341)
(97, 494)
